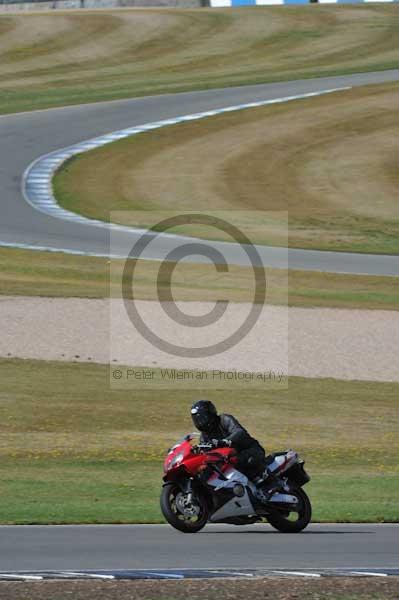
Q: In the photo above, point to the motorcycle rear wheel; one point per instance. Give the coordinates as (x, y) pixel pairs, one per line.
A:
(281, 521)
(176, 518)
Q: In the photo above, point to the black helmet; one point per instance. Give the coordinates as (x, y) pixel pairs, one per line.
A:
(204, 415)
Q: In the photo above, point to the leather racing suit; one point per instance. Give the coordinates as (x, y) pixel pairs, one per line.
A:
(250, 454)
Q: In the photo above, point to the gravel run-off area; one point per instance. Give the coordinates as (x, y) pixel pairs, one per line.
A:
(318, 342)
(332, 588)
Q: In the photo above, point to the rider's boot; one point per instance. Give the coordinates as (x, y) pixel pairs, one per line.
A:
(261, 479)
(263, 491)
(266, 485)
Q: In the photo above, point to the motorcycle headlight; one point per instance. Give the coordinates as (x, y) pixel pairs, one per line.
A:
(176, 460)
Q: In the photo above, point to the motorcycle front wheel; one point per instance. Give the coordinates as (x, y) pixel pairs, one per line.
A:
(179, 514)
(293, 522)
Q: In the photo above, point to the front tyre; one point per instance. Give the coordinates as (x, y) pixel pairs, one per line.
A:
(293, 522)
(188, 516)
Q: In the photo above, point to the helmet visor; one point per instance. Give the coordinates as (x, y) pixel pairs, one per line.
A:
(201, 419)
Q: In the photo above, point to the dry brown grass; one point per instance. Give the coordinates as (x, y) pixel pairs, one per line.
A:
(332, 162)
(77, 414)
(25, 273)
(50, 59)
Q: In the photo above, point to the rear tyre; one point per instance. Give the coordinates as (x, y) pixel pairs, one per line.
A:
(293, 522)
(170, 502)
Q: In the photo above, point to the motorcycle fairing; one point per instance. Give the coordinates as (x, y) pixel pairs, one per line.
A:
(230, 478)
(279, 462)
(237, 505)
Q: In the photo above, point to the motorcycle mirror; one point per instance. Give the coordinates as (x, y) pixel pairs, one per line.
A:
(190, 436)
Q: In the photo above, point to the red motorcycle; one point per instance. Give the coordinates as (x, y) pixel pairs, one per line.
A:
(201, 484)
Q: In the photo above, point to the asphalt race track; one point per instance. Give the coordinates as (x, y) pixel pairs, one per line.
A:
(157, 547)
(25, 137)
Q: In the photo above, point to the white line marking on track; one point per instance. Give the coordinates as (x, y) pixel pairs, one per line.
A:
(21, 576)
(167, 575)
(235, 573)
(95, 575)
(229, 572)
(369, 573)
(299, 573)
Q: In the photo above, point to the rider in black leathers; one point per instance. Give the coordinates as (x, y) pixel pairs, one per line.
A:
(225, 430)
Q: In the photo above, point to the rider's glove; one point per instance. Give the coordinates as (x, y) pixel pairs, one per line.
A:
(220, 443)
(226, 442)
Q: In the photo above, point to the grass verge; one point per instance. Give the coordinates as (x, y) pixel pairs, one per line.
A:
(53, 59)
(74, 451)
(25, 273)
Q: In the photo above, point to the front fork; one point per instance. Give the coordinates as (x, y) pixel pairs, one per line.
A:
(185, 484)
